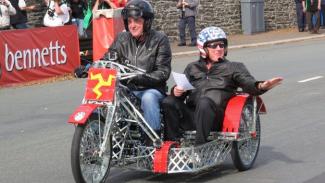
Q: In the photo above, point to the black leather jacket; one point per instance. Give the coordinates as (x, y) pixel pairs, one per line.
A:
(153, 54)
(220, 82)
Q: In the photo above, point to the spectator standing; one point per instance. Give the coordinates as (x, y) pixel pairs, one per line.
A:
(106, 4)
(119, 3)
(19, 20)
(6, 9)
(301, 18)
(187, 17)
(78, 7)
(312, 8)
(57, 13)
(323, 12)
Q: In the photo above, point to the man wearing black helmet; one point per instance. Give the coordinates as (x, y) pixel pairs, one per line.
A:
(215, 81)
(147, 49)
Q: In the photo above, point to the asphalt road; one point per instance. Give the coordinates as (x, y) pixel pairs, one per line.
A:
(35, 138)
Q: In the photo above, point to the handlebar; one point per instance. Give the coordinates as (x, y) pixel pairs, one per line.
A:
(124, 71)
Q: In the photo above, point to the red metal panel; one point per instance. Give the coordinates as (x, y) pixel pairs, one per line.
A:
(233, 113)
(81, 114)
(100, 84)
(104, 32)
(160, 162)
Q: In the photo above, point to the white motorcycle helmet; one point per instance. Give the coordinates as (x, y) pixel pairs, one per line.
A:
(210, 34)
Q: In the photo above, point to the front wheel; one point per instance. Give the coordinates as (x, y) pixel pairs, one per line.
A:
(86, 162)
(244, 151)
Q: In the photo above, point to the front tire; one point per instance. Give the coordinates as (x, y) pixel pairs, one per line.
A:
(244, 152)
(87, 165)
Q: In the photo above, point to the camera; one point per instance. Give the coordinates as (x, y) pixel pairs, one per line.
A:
(50, 12)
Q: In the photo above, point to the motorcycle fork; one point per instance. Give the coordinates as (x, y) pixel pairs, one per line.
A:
(107, 128)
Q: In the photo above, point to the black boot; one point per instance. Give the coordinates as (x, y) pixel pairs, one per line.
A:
(148, 141)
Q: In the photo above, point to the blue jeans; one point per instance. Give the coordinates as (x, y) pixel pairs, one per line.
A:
(323, 14)
(150, 105)
(79, 23)
(20, 26)
(190, 21)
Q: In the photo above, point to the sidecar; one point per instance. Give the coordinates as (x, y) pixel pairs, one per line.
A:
(110, 133)
(240, 138)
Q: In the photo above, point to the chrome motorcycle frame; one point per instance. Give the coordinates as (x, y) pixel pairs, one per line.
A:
(125, 127)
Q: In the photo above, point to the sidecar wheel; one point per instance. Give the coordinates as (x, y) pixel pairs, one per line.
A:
(244, 152)
(87, 165)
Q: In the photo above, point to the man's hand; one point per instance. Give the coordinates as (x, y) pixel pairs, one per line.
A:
(31, 7)
(268, 84)
(178, 91)
(185, 4)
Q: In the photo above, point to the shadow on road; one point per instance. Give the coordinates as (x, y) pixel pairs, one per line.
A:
(119, 175)
(267, 154)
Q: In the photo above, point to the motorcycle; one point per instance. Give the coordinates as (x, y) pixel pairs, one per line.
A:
(110, 131)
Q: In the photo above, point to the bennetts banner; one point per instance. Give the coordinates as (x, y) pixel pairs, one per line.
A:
(37, 53)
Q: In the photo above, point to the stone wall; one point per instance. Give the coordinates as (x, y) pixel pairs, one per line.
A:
(280, 14)
(223, 13)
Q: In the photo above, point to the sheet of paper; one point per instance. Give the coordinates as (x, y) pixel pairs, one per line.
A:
(182, 81)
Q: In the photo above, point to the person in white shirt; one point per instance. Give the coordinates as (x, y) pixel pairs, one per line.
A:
(6, 9)
(57, 13)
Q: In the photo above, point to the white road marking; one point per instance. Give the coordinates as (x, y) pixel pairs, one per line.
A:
(310, 79)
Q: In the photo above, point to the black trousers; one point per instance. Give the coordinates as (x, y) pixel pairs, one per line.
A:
(190, 21)
(206, 116)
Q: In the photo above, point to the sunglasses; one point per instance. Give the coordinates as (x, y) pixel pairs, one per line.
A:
(215, 45)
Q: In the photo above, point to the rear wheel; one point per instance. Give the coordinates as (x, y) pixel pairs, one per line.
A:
(87, 165)
(244, 152)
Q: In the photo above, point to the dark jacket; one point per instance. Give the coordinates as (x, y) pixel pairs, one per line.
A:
(220, 82)
(77, 9)
(190, 10)
(20, 16)
(153, 54)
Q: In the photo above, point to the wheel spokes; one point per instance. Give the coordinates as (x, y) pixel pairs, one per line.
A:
(249, 145)
(93, 167)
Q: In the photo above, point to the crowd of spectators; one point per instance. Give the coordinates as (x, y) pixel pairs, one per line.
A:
(13, 13)
(310, 15)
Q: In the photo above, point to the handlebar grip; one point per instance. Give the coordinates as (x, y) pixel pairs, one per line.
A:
(136, 68)
(150, 76)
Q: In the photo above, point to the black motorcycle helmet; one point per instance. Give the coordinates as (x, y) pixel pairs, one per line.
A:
(137, 9)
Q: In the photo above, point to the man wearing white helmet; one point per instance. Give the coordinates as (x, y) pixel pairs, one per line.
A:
(216, 80)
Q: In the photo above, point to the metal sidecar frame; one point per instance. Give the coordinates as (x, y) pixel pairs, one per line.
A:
(175, 157)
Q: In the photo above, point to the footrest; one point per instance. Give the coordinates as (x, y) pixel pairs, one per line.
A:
(160, 162)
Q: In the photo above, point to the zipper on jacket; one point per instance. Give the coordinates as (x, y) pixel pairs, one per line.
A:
(207, 74)
(136, 53)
